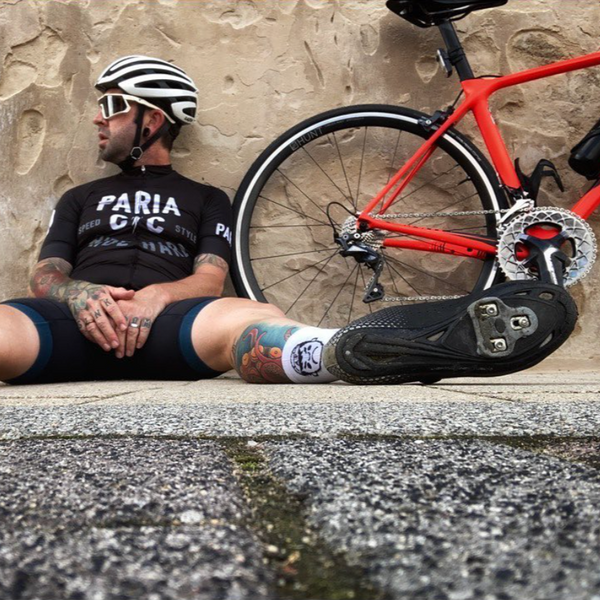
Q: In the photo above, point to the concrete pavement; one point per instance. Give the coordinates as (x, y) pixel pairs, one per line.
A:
(220, 489)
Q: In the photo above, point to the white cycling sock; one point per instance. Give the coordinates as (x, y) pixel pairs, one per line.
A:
(302, 355)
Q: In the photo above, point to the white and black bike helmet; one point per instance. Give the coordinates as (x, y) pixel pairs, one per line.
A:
(160, 84)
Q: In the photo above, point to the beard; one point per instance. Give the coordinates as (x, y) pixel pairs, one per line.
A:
(118, 145)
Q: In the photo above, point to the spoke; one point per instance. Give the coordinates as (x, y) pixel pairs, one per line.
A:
(408, 283)
(301, 253)
(365, 287)
(298, 272)
(301, 191)
(362, 158)
(337, 295)
(310, 282)
(392, 277)
(293, 210)
(344, 170)
(403, 198)
(327, 175)
(394, 157)
(448, 283)
(353, 296)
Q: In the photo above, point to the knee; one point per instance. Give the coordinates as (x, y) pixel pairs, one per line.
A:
(269, 310)
(19, 343)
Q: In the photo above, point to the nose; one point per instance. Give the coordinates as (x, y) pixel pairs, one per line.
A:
(99, 119)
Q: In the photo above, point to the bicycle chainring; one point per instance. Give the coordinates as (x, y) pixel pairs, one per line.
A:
(576, 230)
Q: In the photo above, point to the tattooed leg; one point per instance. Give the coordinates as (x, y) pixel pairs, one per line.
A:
(257, 353)
(282, 353)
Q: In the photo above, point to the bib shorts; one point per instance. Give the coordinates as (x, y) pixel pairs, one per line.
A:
(66, 355)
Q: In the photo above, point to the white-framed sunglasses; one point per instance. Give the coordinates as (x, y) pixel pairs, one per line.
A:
(112, 105)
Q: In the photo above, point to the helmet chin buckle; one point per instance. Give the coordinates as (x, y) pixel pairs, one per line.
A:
(136, 153)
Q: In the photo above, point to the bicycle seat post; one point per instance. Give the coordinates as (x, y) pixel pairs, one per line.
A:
(456, 52)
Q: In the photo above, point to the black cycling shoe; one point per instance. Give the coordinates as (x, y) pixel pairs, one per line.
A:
(504, 329)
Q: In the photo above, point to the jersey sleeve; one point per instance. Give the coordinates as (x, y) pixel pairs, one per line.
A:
(61, 239)
(214, 235)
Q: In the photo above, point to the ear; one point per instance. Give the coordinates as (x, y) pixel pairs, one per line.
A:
(154, 120)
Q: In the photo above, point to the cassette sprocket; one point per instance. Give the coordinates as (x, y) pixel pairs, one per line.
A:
(575, 230)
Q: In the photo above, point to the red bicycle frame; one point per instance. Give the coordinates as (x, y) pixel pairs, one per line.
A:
(477, 93)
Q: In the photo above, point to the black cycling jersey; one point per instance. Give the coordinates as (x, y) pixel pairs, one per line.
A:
(140, 227)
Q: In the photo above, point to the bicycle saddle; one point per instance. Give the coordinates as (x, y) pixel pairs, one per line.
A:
(429, 13)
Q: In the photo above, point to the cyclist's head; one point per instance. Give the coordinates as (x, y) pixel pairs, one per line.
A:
(149, 83)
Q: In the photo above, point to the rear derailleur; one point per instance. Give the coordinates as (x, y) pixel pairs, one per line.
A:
(364, 246)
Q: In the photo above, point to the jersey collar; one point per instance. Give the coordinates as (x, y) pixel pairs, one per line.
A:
(148, 171)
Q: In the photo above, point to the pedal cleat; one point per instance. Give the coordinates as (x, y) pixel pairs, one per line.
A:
(493, 325)
(508, 328)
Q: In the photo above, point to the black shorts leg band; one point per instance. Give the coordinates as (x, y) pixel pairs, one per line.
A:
(46, 344)
(185, 342)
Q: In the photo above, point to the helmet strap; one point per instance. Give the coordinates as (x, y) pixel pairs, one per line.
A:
(138, 150)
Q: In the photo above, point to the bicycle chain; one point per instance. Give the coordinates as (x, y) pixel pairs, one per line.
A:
(464, 213)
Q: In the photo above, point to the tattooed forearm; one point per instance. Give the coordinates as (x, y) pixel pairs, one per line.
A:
(210, 259)
(50, 279)
(257, 353)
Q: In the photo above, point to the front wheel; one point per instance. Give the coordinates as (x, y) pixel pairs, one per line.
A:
(330, 166)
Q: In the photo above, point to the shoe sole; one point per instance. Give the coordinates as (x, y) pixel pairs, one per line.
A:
(509, 328)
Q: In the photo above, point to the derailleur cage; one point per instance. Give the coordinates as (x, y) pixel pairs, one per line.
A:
(352, 245)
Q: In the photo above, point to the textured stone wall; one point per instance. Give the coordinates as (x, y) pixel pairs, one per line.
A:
(261, 66)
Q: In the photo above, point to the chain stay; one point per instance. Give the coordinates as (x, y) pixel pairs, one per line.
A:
(464, 213)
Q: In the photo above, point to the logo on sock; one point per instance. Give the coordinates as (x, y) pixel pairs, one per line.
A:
(306, 357)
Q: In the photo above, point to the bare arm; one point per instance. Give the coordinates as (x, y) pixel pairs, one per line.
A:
(208, 279)
(93, 306)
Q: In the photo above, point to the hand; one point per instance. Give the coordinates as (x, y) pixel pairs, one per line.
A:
(140, 313)
(96, 311)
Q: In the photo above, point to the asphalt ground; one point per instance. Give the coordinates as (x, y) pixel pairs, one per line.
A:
(221, 489)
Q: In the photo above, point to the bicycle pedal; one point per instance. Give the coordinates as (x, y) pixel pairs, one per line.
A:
(498, 327)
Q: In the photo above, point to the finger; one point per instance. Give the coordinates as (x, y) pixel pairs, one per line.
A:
(133, 332)
(94, 332)
(120, 351)
(82, 320)
(145, 327)
(110, 306)
(120, 293)
(103, 323)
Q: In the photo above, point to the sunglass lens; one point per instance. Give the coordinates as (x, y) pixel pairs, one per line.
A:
(112, 105)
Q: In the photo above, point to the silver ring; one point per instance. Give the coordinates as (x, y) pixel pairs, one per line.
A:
(134, 323)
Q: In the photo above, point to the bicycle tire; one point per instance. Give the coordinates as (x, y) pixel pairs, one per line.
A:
(255, 212)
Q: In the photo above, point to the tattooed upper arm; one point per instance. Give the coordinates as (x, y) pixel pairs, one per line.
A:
(48, 274)
(211, 259)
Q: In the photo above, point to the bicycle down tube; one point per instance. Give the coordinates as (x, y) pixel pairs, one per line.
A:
(477, 93)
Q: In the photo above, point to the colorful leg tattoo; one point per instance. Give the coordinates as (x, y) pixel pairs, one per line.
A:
(257, 354)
